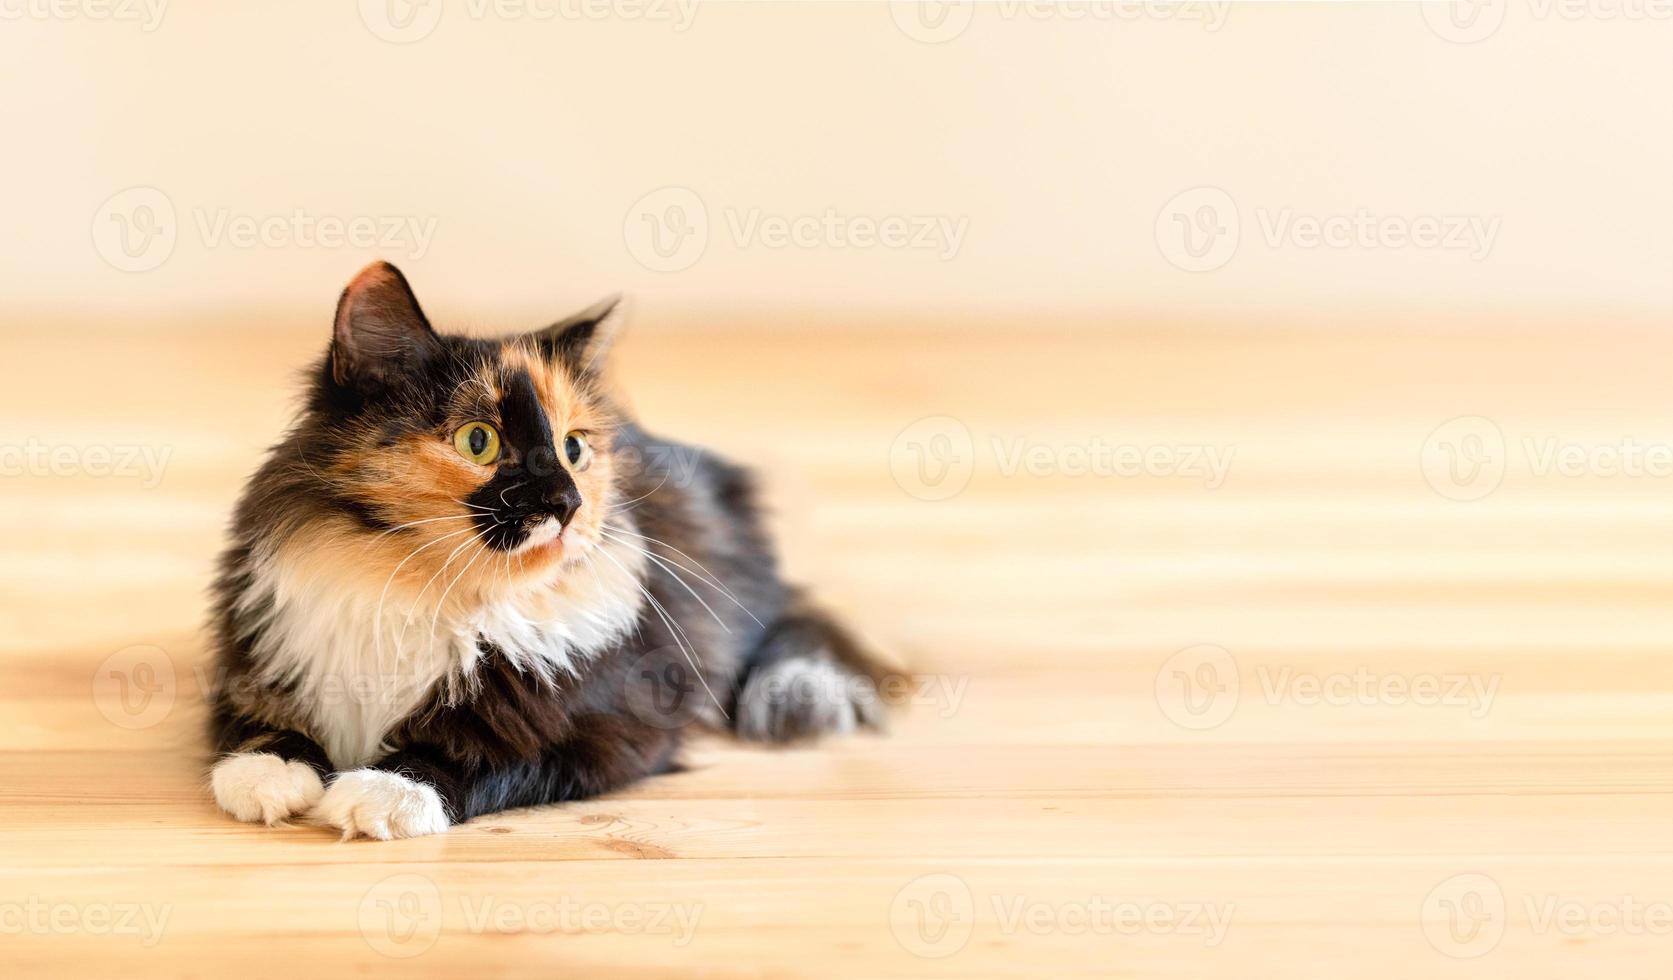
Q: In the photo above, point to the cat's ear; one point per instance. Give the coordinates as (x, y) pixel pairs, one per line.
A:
(380, 332)
(582, 341)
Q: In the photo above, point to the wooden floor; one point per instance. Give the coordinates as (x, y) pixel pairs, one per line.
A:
(1318, 715)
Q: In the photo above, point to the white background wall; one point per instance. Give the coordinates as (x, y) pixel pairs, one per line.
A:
(1056, 135)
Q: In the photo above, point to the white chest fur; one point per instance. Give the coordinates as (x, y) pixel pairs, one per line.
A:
(359, 660)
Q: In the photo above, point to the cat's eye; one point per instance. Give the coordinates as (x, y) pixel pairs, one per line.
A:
(576, 450)
(478, 442)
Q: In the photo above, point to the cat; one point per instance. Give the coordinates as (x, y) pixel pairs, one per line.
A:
(466, 580)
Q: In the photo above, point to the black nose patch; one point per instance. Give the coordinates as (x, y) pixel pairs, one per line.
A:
(523, 422)
(532, 484)
(563, 501)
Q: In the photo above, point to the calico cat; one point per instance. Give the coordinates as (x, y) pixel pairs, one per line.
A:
(466, 580)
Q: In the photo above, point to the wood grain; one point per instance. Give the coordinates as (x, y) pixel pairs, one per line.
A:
(1437, 739)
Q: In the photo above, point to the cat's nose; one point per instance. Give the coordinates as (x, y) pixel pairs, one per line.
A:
(562, 500)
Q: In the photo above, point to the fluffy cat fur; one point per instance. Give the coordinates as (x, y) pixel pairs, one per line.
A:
(466, 581)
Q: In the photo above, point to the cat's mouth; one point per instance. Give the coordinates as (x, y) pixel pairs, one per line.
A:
(545, 535)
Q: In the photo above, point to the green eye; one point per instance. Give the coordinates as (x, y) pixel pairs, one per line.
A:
(576, 450)
(477, 442)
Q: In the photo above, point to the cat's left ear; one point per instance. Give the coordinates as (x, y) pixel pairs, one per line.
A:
(582, 341)
(379, 331)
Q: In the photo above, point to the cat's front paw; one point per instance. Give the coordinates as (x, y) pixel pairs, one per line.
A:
(261, 786)
(380, 804)
(805, 697)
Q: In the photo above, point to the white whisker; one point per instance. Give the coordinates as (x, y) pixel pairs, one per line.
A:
(667, 567)
(622, 506)
(680, 639)
(401, 640)
(427, 520)
(703, 574)
(377, 618)
(442, 602)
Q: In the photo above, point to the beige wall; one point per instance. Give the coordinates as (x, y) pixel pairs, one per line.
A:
(1053, 145)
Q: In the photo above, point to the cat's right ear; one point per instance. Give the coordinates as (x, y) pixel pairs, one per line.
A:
(380, 333)
(581, 341)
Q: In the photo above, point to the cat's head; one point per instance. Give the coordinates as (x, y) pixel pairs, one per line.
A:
(460, 452)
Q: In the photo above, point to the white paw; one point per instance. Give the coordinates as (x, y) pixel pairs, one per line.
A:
(385, 805)
(806, 697)
(261, 786)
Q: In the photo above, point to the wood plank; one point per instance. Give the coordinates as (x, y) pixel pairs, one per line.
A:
(1045, 806)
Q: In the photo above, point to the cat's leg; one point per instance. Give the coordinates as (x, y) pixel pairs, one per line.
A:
(422, 789)
(263, 773)
(807, 677)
